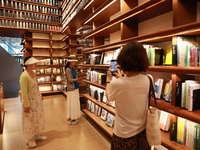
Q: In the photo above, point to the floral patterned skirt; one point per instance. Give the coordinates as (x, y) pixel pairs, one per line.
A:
(136, 142)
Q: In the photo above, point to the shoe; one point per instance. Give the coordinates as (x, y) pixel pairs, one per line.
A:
(72, 122)
(40, 137)
(77, 120)
(31, 143)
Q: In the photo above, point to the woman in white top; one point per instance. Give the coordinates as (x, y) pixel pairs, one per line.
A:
(130, 94)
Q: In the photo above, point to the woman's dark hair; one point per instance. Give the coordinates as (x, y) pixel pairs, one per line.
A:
(67, 65)
(133, 57)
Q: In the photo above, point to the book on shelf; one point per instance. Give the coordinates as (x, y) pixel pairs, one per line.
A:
(188, 88)
(196, 98)
(167, 90)
(104, 114)
(173, 131)
(178, 93)
(96, 109)
(181, 130)
(88, 107)
(168, 56)
(92, 107)
(164, 121)
(158, 87)
(99, 111)
(110, 120)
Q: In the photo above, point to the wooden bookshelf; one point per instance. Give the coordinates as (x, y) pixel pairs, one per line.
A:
(99, 122)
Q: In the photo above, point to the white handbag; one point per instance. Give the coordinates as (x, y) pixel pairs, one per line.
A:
(152, 124)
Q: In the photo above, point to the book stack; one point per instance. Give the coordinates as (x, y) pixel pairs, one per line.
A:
(188, 94)
(186, 52)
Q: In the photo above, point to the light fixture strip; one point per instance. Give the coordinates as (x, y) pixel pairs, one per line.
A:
(99, 11)
(88, 4)
(124, 18)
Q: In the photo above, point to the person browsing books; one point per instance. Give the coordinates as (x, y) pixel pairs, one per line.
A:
(130, 94)
(73, 102)
(33, 117)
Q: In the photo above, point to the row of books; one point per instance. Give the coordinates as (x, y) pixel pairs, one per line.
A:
(34, 8)
(155, 55)
(52, 87)
(96, 77)
(104, 58)
(188, 94)
(29, 25)
(102, 113)
(186, 132)
(50, 70)
(71, 14)
(29, 16)
(50, 79)
(186, 51)
(9, 3)
(49, 61)
(100, 95)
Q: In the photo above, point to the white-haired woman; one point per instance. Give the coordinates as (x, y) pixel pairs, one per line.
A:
(33, 119)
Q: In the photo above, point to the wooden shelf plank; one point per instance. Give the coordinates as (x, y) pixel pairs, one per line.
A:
(102, 86)
(168, 69)
(99, 122)
(50, 92)
(164, 35)
(166, 106)
(101, 104)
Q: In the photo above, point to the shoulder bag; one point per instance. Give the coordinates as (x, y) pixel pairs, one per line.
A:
(152, 124)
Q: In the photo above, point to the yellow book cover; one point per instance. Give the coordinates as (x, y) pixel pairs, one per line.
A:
(168, 58)
(180, 130)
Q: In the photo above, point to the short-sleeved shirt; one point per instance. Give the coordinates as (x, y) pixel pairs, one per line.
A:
(131, 104)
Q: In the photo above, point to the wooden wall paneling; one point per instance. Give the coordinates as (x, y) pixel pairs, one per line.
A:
(128, 30)
(98, 41)
(184, 12)
(126, 5)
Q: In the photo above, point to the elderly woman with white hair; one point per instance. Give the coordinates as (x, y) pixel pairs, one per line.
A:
(73, 102)
(33, 119)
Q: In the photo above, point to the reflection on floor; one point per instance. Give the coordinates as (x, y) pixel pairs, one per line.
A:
(61, 136)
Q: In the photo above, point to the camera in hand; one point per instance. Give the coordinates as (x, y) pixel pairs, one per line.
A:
(113, 66)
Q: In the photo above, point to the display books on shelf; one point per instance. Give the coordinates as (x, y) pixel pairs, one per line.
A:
(108, 56)
(99, 111)
(168, 56)
(167, 91)
(187, 93)
(164, 121)
(158, 87)
(110, 120)
(88, 105)
(104, 114)
(193, 102)
(180, 130)
(96, 109)
(183, 50)
(178, 93)
(173, 131)
(92, 107)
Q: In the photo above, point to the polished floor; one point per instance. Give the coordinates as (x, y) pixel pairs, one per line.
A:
(61, 136)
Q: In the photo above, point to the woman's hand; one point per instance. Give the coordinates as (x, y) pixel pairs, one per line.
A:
(27, 109)
(118, 74)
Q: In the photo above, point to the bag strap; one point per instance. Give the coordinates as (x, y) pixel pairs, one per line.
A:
(151, 92)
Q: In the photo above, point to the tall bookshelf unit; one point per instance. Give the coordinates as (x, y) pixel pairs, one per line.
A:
(153, 22)
(49, 29)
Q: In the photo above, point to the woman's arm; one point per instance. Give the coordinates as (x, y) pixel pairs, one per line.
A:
(24, 90)
(69, 76)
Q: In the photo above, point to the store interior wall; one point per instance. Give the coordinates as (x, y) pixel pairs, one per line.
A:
(10, 71)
